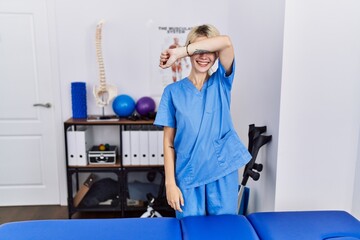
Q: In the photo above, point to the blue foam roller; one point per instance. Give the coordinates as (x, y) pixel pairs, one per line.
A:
(78, 99)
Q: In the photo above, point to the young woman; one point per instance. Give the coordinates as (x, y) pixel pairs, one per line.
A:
(202, 152)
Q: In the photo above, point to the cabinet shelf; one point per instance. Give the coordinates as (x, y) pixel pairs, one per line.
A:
(120, 121)
(96, 166)
(142, 166)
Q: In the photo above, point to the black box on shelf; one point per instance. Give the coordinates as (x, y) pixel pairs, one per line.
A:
(96, 156)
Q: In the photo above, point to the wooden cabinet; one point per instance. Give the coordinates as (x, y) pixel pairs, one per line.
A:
(119, 170)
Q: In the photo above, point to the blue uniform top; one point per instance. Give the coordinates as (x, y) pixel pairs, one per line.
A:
(206, 144)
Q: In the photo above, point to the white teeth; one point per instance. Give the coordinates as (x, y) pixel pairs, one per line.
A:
(203, 62)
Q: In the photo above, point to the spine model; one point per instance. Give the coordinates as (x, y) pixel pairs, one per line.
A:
(103, 93)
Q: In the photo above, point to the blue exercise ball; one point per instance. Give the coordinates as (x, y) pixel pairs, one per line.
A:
(123, 105)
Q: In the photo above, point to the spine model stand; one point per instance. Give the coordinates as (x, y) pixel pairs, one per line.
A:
(252, 169)
(103, 93)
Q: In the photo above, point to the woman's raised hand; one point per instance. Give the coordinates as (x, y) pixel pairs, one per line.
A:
(168, 57)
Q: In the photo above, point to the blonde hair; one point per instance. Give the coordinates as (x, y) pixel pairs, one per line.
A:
(205, 30)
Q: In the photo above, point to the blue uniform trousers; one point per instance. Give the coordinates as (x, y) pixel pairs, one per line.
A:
(215, 198)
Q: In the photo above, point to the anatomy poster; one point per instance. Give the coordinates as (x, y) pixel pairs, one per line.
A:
(164, 37)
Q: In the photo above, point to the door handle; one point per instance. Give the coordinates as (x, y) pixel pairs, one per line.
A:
(46, 105)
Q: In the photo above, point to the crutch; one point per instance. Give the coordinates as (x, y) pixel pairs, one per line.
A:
(252, 169)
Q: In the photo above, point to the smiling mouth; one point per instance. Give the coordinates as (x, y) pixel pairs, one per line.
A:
(203, 63)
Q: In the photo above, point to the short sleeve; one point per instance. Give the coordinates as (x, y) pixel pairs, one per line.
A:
(227, 79)
(165, 115)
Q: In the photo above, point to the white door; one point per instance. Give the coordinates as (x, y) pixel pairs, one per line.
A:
(28, 160)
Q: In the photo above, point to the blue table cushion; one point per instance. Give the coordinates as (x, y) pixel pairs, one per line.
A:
(91, 229)
(342, 238)
(217, 227)
(302, 225)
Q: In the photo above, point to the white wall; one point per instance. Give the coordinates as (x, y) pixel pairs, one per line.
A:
(320, 105)
(319, 93)
(257, 31)
(356, 197)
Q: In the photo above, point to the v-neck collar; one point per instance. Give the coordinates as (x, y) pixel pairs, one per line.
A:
(192, 87)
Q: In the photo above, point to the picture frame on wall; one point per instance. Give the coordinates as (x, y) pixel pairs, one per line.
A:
(164, 37)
